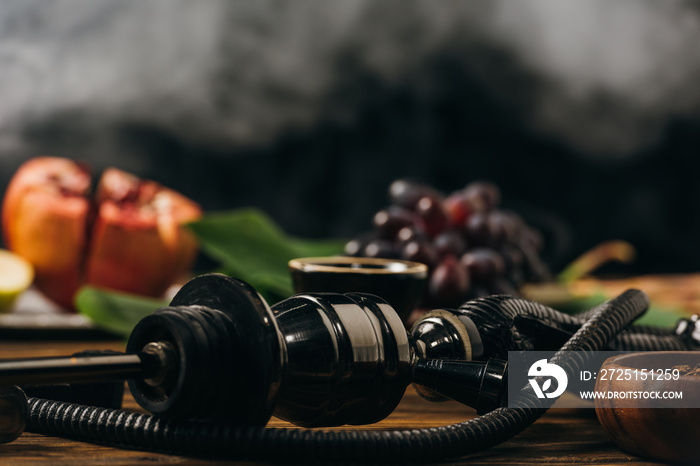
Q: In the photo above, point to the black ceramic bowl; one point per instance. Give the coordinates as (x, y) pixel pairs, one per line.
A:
(400, 283)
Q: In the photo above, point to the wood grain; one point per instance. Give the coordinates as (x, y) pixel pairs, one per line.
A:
(562, 436)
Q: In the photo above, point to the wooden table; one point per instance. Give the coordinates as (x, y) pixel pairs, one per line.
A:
(563, 436)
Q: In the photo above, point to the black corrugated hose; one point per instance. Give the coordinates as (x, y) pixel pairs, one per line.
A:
(507, 323)
(143, 431)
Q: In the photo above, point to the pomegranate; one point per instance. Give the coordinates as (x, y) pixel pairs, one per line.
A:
(129, 237)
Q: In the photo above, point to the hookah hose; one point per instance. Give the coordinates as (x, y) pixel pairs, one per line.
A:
(507, 323)
(145, 431)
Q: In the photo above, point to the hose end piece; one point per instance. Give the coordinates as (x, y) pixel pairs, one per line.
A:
(14, 411)
(688, 329)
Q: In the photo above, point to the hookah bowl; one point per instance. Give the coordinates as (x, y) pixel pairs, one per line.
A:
(400, 283)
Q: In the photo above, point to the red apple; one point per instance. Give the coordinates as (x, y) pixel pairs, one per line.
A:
(130, 238)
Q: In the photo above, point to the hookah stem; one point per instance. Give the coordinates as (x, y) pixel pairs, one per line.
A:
(72, 369)
(144, 431)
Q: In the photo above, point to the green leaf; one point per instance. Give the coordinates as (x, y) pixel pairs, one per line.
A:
(251, 247)
(114, 311)
(659, 316)
(577, 304)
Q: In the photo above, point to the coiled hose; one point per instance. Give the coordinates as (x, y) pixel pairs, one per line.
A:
(144, 431)
(507, 323)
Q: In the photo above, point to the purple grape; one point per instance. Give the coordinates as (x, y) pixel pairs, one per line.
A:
(478, 229)
(379, 248)
(433, 215)
(407, 234)
(484, 193)
(405, 193)
(392, 219)
(355, 246)
(458, 209)
(449, 282)
(450, 242)
(483, 264)
(419, 251)
(504, 227)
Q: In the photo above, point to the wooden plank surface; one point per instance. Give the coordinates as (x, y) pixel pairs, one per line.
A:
(562, 436)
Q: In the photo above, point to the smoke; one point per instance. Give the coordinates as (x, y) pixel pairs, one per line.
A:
(238, 74)
(104, 60)
(617, 71)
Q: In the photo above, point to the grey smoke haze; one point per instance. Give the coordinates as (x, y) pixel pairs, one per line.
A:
(239, 73)
(618, 70)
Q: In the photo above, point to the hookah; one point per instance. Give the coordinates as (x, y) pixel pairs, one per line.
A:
(218, 362)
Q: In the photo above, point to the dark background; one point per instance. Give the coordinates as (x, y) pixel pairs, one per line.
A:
(584, 113)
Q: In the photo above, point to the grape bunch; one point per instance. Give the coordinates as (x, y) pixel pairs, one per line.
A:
(471, 248)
